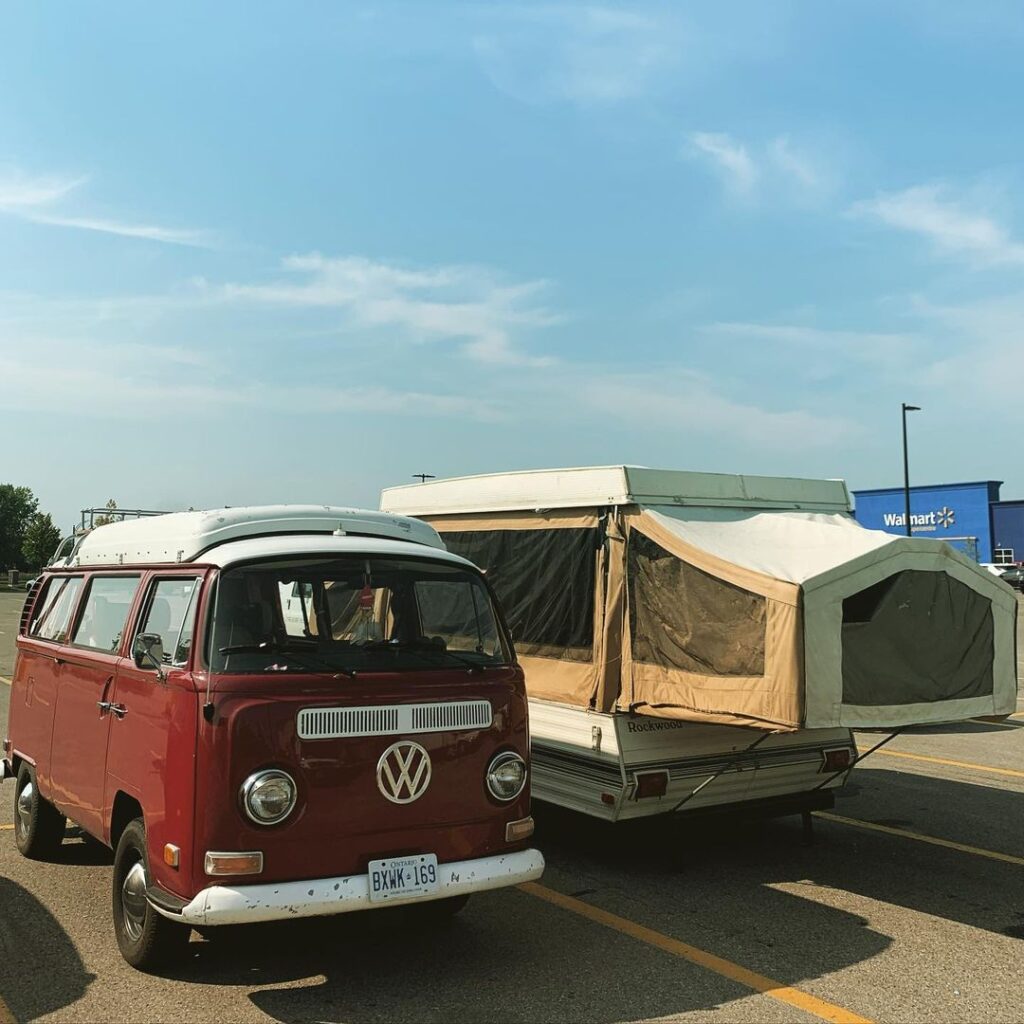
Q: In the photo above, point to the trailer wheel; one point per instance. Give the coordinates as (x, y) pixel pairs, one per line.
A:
(145, 938)
(38, 825)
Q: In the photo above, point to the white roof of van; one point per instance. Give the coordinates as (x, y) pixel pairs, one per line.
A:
(188, 536)
(261, 548)
(595, 486)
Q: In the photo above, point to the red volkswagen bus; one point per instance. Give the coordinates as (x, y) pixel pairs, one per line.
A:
(271, 713)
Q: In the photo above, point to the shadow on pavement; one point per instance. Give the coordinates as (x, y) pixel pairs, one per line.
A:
(511, 957)
(40, 968)
(389, 965)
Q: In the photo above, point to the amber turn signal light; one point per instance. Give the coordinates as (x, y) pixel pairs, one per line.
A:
(220, 863)
(172, 855)
(516, 830)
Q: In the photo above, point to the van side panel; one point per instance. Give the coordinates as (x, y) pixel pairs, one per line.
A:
(33, 699)
(151, 757)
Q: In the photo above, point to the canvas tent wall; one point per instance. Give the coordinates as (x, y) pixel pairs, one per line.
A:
(736, 600)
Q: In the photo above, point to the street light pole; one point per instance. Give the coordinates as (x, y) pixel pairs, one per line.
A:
(906, 467)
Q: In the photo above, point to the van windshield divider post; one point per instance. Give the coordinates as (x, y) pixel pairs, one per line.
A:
(208, 704)
(476, 616)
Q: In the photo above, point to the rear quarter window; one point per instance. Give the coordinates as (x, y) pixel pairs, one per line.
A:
(51, 615)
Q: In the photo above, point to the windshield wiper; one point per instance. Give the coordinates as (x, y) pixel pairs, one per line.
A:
(294, 646)
(423, 649)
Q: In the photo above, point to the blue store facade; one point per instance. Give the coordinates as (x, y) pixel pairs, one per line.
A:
(970, 516)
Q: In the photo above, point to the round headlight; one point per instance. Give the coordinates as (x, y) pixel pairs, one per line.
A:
(506, 775)
(269, 796)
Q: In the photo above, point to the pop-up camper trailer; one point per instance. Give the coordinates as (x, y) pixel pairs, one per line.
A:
(680, 627)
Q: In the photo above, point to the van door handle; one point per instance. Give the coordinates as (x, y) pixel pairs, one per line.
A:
(115, 709)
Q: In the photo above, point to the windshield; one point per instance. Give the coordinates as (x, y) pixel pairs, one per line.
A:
(353, 615)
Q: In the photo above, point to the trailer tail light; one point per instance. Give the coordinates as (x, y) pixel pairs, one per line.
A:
(651, 784)
(837, 759)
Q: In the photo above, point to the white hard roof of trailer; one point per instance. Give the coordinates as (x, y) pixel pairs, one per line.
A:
(186, 536)
(595, 486)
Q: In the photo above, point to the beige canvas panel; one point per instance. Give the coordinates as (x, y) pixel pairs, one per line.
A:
(748, 579)
(773, 701)
(823, 614)
(553, 519)
(568, 682)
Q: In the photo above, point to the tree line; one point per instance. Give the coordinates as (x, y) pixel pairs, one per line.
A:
(28, 537)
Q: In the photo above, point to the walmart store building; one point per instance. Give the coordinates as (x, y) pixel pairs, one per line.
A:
(969, 516)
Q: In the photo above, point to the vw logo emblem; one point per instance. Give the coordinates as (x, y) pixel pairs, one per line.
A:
(403, 772)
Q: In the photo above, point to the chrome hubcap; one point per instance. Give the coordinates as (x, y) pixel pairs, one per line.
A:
(133, 900)
(25, 806)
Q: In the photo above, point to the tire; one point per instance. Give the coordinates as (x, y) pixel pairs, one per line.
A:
(38, 825)
(145, 938)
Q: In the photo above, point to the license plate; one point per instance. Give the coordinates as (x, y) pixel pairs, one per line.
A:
(402, 877)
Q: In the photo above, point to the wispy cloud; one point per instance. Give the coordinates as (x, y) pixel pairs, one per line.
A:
(114, 381)
(695, 402)
(954, 230)
(21, 192)
(878, 348)
(39, 200)
(798, 166)
(730, 159)
(777, 168)
(448, 302)
(586, 55)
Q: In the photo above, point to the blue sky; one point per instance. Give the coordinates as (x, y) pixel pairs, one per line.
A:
(298, 252)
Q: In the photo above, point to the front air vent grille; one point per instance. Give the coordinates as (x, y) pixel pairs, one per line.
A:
(466, 714)
(391, 720)
(323, 723)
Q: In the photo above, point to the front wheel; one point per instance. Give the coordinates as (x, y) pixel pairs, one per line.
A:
(38, 825)
(146, 939)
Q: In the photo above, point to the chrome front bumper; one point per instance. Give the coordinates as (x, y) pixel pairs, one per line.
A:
(278, 901)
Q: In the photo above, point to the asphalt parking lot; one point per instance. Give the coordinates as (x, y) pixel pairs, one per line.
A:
(908, 906)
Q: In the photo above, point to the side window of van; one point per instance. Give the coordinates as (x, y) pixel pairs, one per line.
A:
(53, 609)
(107, 603)
(171, 614)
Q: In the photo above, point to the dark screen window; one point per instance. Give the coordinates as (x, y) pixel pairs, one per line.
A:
(681, 617)
(544, 580)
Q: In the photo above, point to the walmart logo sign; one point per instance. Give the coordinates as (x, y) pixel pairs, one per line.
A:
(944, 517)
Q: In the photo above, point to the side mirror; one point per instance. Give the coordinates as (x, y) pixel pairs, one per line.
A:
(148, 652)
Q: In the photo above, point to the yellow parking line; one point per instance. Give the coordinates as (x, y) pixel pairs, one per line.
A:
(758, 982)
(953, 764)
(976, 851)
(2, 827)
(4, 679)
